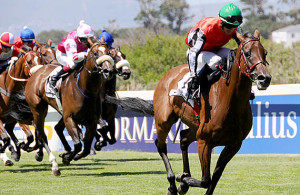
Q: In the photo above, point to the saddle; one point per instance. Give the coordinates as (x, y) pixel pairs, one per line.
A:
(210, 76)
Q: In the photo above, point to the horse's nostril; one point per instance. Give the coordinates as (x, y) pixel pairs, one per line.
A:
(261, 77)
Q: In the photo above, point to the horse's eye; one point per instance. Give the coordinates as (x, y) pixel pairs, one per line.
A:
(29, 62)
(44, 54)
(266, 52)
(247, 54)
(95, 54)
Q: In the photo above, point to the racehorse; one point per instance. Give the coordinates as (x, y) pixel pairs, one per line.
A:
(80, 100)
(108, 109)
(47, 55)
(47, 52)
(225, 114)
(13, 81)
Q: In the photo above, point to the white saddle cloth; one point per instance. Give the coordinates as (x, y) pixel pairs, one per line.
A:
(182, 89)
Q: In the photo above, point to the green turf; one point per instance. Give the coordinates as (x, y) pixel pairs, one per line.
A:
(128, 172)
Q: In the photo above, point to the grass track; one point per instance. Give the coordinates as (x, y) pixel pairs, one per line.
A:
(128, 172)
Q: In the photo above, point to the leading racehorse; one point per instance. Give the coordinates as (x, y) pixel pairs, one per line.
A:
(80, 101)
(225, 114)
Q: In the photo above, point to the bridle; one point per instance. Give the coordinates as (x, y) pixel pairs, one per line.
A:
(97, 62)
(46, 61)
(249, 67)
(26, 66)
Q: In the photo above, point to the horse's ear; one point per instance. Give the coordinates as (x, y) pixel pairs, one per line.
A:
(35, 48)
(22, 51)
(38, 44)
(240, 37)
(49, 42)
(118, 48)
(257, 34)
(102, 41)
(90, 42)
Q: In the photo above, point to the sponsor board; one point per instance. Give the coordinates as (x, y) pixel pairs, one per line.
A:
(276, 120)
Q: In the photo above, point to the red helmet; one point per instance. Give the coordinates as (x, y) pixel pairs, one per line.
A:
(7, 39)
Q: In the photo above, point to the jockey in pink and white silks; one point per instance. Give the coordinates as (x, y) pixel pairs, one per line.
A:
(72, 50)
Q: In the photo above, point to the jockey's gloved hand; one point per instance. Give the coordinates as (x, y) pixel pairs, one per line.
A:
(193, 85)
(12, 60)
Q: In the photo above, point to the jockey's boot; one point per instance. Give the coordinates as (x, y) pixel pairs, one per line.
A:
(53, 80)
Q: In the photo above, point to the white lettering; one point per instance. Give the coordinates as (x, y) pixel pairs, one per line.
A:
(292, 124)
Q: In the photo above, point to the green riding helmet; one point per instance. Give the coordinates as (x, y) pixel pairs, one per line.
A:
(231, 14)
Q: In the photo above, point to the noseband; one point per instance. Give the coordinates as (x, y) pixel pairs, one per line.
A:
(249, 67)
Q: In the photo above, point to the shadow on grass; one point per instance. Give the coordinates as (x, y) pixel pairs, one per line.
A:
(107, 174)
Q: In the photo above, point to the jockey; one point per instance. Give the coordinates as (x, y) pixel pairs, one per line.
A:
(8, 52)
(109, 40)
(207, 38)
(72, 50)
(27, 38)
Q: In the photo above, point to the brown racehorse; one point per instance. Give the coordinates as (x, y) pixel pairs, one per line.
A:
(80, 101)
(48, 55)
(13, 81)
(225, 114)
(109, 110)
(47, 52)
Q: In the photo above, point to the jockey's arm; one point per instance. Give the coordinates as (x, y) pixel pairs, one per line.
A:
(196, 42)
(71, 51)
(239, 30)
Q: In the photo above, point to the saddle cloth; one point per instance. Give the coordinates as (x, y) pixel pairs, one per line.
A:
(182, 89)
(49, 90)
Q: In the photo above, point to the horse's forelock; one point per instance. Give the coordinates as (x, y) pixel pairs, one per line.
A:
(249, 35)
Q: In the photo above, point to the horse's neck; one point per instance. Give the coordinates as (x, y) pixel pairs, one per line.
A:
(238, 87)
(89, 82)
(16, 71)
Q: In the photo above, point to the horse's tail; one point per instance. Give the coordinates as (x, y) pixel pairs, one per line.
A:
(134, 104)
(20, 109)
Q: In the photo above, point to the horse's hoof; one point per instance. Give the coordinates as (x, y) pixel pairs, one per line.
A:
(8, 163)
(56, 172)
(14, 156)
(112, 141)
(170, 193)
(65, 161)
(39, 157)
(97, 146)
(183, 188)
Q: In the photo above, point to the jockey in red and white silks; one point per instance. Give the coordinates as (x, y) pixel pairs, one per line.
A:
(72, 50)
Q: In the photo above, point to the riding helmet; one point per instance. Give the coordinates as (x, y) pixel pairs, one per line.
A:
(7, 39)
(27, 34)
(231, 14)
(109, 40)
(84, 30)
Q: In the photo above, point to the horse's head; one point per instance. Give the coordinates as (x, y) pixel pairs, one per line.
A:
(98, 59)
(122, 65)
(252, 60)
(26, 63)
(47, 52)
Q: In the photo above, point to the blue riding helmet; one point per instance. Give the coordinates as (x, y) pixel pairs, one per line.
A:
(27, 34)
(109, 40)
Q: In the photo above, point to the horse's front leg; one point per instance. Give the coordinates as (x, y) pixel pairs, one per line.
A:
(75, 133)
(4, 137)
(15, 154)
(29, 136)
(88, 139)
(226, 155)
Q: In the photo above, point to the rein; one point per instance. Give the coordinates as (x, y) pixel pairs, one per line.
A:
(26, 65)
(249, 67)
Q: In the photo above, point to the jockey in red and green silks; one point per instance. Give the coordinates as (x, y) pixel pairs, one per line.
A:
(207, 38)
(72, 50)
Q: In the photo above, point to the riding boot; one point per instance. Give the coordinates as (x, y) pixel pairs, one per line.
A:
(53, 80)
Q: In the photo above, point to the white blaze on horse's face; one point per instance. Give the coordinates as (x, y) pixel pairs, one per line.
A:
(102, 49)
(36, 60)
(120, 55)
